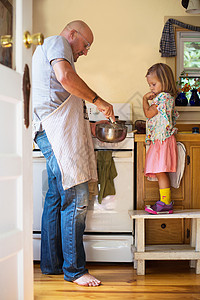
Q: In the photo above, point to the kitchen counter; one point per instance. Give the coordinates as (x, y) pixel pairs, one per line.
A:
(180, 137)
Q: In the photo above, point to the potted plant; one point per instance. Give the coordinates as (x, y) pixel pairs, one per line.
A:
(189, 88)
(181, 99)
(194, 99)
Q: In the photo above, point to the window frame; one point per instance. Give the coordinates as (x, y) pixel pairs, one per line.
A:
(181, 37)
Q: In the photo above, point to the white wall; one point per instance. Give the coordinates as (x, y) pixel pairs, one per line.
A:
(127, 36)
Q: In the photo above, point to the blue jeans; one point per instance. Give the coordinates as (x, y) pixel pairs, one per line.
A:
(63, 221)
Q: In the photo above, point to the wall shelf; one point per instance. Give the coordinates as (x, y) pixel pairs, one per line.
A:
(188, 114)
(188, 108)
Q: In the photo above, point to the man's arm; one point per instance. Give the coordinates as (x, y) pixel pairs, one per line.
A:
(76, 86)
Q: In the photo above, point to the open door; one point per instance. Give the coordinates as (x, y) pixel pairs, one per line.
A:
(16, 259)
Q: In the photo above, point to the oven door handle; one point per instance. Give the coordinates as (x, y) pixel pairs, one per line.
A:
(122, 154)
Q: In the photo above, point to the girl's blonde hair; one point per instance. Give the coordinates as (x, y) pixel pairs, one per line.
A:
(165, 76)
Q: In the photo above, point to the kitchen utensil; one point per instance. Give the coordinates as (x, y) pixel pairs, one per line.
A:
(140, 126)
(112, 132)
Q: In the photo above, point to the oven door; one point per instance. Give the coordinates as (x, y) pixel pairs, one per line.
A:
(112, 214)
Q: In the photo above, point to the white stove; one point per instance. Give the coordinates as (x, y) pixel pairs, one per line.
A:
(121, 110)
(108, 234)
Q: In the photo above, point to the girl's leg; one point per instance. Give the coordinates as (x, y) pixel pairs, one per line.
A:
(164, 205)
(164, 187)
(163, 180)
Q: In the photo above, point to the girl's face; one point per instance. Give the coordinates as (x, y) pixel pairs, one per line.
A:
(154, 83)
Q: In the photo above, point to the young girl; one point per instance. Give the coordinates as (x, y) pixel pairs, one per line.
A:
(161, 156)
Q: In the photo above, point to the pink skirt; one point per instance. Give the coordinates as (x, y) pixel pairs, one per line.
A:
(161, 157)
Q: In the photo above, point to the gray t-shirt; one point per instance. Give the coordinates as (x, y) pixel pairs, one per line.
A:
(47, 93)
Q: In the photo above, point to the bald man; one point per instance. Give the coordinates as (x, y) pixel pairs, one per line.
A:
(62, 131)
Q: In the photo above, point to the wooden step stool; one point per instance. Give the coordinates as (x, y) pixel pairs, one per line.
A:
(166, 252)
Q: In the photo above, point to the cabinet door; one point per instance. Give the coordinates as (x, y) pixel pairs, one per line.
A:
(148, 191)
(162, 231)
(193, 149)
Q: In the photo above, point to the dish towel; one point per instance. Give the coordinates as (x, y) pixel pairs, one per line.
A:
(175, 177)
(167, 42)
(106, 174)
(93, 189)
(69, 134)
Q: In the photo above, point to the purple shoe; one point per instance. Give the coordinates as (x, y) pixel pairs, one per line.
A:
(159, 208)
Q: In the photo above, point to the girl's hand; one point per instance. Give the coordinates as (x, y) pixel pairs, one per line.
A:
(149, 96)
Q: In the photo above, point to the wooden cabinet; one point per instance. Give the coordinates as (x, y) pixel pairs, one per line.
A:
(164, 231)
(193, 185)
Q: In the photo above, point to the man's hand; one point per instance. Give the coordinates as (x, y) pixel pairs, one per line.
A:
(105, 107)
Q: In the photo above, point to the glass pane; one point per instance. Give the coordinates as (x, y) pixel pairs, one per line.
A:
(187, 84)
(6, 29)
(191, 55)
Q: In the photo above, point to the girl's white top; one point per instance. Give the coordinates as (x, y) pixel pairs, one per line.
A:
(162, 126)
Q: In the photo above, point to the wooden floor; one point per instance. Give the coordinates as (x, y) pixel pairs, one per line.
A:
(163, 280)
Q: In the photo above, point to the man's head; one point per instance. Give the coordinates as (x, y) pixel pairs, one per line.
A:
(79, 36)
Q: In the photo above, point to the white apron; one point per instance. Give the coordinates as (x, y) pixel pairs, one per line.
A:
(70, 137)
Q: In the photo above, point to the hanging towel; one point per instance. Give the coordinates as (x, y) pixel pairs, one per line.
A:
(167, 42)
(69, 134)
(106, 174)
(93, 189)
(175, 177)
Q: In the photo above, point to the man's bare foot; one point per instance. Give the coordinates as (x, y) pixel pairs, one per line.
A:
(87, 280)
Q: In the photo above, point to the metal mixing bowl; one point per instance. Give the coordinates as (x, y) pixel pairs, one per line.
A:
(111, 133)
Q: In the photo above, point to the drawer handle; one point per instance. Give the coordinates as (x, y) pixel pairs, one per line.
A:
(163, 226)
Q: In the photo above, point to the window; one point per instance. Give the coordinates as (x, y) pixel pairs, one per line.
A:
(188, 60)
(191, 58)
(188, 53)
